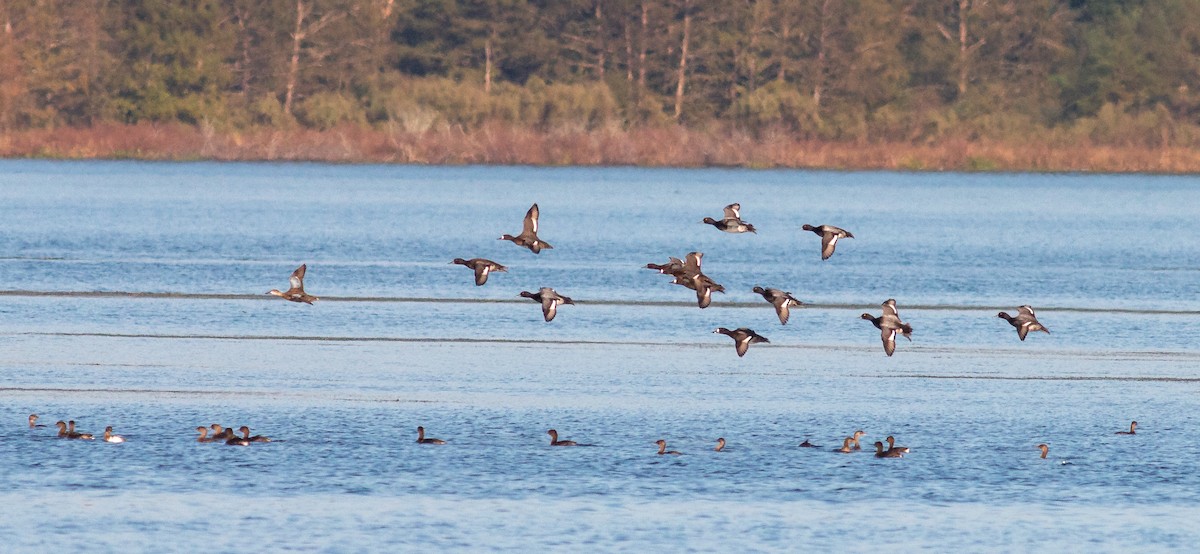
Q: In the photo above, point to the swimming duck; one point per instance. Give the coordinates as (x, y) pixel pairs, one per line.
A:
(829, 237)
(235, 440)
(421, 433)
(482, 268)
(662, 449)
(892, 445)
(781, 300)
(110, 437)
(1045, 450)
(1132, 430)
(1025, 321)
(549, 300)
(245, 431)
(857, 435)
(889, 325)
(720, 444)
(845, 449)
(555, 442)
(732, 222)
(71, 434)
(33, 421)
(881, 453)
(62, 428)
(296, 292)
(807, 444)
(204, 435)
(742, 338)
(528, 237)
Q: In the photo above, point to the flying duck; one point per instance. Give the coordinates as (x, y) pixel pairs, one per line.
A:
(482, 268)
(1025, 321)
(673, 266)
(549, 300)
(732, 222)
(889, 324)
(781, 300)
(742, 338)
(829, 237)
(528, 237)
(296, 293)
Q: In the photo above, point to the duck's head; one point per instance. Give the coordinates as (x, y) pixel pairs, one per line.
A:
(867, 317)
(459, 261)
(709, 221)
(1003, 315)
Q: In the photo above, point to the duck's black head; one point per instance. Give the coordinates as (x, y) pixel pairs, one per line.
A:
(459, 261)
(759, 290)
(709, 221)
(807, 227)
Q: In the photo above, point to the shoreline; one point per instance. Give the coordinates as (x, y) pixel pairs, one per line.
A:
(656, 147)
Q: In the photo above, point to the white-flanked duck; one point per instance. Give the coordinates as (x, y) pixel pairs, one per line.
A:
(1025, 321)
(720, 444)
(482, 268)
(742, 338)
(829, 237)
(555, 442)
(892, 445)
(782, 301)
(296, 292)
(110, 437)
(889, 324)
(549, 300)
(528, 237)
(422, 440)
(662, 449)
(1132, 429)
(732, 222)
(881, 453)
(33, 421)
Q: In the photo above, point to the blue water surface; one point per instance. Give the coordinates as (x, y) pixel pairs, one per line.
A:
(133, 294)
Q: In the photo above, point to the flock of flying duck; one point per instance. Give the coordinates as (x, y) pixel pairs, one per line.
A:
(686, 272)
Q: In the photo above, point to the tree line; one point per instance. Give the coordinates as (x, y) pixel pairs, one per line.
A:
(1106, 71)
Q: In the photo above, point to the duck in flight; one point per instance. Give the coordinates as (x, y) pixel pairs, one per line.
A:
(889, 325)
(781, 300)
(829, 237)
(482, 268)
(732, 222)
(528, 237)
(549, 300)
(692, 277)
(1025, 321)
(296, 292)
(742, 338)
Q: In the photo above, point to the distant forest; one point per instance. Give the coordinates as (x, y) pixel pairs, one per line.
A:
(1097, 72)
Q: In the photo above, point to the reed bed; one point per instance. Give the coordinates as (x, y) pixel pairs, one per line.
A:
(649, 146)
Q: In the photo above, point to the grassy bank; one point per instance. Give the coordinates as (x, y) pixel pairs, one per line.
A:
(663, 146)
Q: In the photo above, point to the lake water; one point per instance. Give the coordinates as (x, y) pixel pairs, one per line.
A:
(132, 295)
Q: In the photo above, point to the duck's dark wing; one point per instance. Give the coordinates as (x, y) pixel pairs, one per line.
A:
(741, 342)
(481, 272)
(703, 293)
(531, 220)
(1027, 310)
(888, 334)
(549, 307)
(733, 211)
(828, 243)
(692, 262)
(889, 308)
(1023, 329)
(781, 309)
(297, 278)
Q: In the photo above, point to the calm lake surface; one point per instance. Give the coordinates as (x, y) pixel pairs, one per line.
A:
(132, 295)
